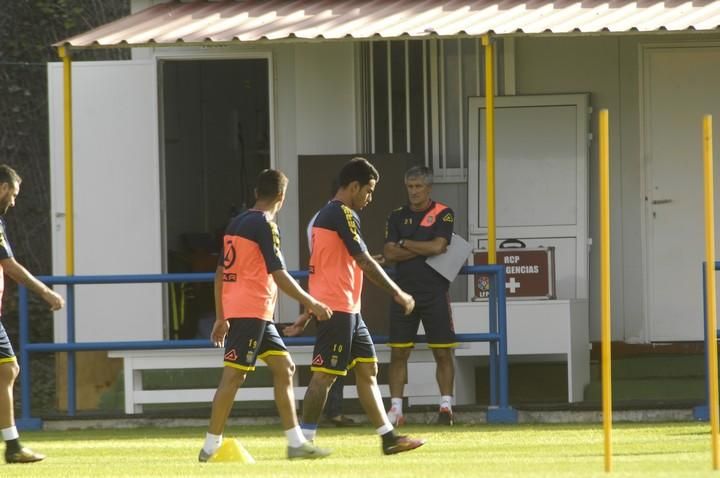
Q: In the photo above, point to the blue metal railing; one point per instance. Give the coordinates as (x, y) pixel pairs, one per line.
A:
(499, 410)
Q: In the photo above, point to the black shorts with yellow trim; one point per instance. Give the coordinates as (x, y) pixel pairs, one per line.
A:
(7, 354)
(433, 310)
(342, 342)
(250, 339)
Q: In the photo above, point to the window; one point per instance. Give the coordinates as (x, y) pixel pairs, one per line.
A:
(414, 99)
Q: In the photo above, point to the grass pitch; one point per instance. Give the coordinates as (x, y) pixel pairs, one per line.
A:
(640, 450)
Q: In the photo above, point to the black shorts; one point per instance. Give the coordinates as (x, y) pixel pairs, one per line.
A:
(434, 312)
(6, 351)
(342, 341)
(250, 339)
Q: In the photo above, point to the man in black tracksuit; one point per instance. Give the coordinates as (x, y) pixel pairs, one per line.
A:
(414, 232)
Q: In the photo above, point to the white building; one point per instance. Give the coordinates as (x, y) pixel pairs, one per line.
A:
(216, 91)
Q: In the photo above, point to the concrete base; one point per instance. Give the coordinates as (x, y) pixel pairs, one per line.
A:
(462, 417)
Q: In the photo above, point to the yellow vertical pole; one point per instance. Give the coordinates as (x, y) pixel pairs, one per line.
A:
(605, 284)
(69, 208)
(490, 144)
(712, 355)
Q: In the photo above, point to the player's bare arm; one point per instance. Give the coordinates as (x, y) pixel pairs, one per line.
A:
(219, 315)
(377, 276)
(380, 259)
(22, 276)
(288, 285)
(298, 327)
(221, 326)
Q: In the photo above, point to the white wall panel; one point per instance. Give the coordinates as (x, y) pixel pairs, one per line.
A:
(325, 98)
(117, 196)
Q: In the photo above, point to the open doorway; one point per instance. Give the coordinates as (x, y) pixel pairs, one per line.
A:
(216, 139)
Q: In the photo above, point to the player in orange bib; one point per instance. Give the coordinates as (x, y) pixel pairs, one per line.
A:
(246, 282)
(338, 260)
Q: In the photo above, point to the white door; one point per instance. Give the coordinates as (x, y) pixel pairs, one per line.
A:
(117, 196)
(540, 182)
(680, 85)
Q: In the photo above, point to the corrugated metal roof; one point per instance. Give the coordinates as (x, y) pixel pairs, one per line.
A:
(253, 20)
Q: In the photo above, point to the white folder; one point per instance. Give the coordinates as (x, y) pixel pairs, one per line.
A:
(448, 264)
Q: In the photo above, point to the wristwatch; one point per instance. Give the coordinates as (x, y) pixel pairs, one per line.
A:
(401, 243)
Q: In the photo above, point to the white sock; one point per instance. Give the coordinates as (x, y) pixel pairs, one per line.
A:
(309, 431)
(295, 437)
(396, 403)
(385, 429)
(446, 402)
(10, 433)
(212, 443)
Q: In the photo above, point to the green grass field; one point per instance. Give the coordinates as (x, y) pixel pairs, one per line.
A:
(643, 450)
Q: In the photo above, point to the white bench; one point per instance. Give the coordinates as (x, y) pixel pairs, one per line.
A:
(537, 331)
(420, 388)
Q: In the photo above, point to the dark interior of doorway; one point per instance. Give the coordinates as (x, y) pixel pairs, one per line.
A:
(216, 139)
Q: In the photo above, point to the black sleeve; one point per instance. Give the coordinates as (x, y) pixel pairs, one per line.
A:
(269, 242)
(445, 223)
(5, 249)
(392, 231)
(348, 228)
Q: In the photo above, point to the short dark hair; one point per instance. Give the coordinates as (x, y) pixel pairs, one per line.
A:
(270, 183)
(9, 175)
(357, 169)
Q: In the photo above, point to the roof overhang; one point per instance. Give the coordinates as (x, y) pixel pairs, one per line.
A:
(240, 21)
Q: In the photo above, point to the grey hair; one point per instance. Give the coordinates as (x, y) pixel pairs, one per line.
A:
(420, 172)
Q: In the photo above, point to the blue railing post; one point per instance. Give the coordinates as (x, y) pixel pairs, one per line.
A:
(495, 287)
(502, 413)
(25, 422)
(498, 411)
(71, 371)
(503, 342)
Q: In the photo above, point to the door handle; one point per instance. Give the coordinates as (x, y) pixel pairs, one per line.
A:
(661, 201)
